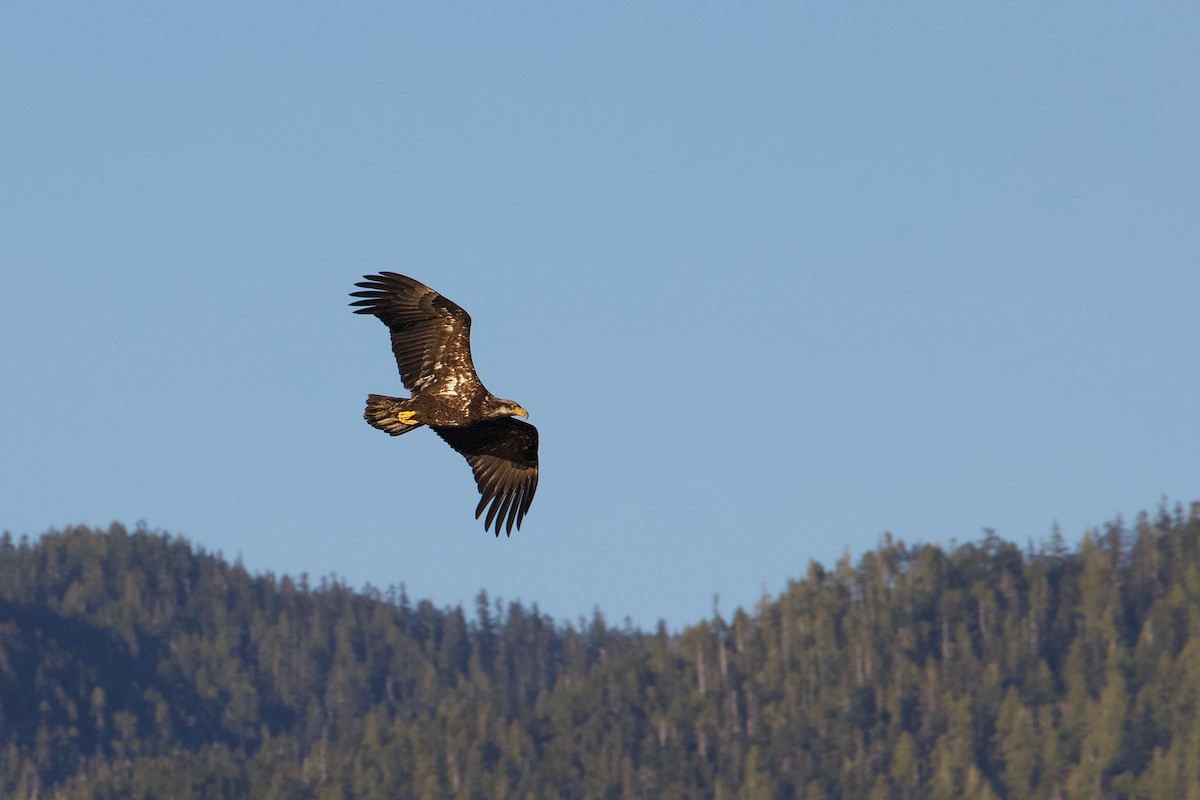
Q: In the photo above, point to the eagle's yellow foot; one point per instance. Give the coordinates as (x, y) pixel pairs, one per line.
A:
(407, 418)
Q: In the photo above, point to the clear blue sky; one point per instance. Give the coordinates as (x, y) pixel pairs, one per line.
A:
(772, 279)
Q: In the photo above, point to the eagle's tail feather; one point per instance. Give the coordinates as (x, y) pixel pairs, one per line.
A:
(390, 414)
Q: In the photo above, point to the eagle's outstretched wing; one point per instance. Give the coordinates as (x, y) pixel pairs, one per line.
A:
(503, 454)
(431, 335)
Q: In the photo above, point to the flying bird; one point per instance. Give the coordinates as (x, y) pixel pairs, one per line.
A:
(431, 339)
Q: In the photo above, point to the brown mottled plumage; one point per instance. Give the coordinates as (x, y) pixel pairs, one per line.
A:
(431, 338)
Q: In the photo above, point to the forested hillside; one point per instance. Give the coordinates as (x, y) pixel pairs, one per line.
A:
(137, 665)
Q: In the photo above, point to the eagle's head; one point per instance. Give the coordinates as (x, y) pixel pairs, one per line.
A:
(505, 408)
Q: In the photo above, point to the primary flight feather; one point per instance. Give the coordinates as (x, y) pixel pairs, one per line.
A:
(431, 339)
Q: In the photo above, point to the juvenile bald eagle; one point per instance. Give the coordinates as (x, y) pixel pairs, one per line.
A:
(431, 338)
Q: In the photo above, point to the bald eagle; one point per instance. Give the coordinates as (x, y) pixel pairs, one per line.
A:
(431, 338)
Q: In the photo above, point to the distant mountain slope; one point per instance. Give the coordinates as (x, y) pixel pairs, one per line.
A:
(136, 665)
